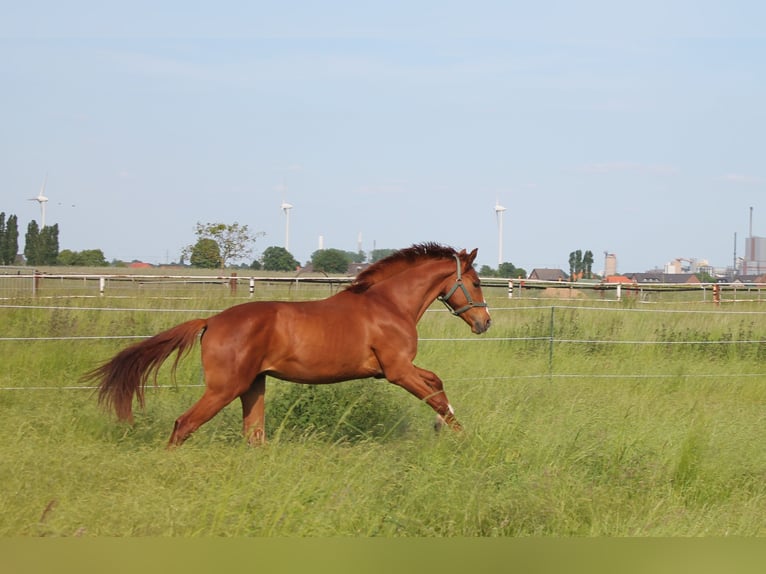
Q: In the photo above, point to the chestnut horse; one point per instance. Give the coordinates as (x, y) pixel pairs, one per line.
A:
(366, 330)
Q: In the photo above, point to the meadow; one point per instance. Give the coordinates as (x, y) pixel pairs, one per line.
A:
(581, 417)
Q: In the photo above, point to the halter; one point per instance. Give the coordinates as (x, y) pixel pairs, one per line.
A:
(459, 285)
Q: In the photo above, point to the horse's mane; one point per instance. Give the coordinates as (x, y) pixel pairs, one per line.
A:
(391, 265)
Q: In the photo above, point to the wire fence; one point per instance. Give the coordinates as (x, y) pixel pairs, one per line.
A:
(20, 282)
(555, 337)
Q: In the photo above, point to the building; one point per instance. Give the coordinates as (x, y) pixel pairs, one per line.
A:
(755, 256)
(541, 274)
(660, 277)
(690, 266)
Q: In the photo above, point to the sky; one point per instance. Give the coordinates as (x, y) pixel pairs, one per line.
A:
(635, 128)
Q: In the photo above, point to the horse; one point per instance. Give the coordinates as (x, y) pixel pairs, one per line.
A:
(366, 330)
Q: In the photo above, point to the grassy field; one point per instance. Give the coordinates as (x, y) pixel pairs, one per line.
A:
(580, 420)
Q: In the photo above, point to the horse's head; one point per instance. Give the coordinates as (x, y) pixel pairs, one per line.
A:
(464, 297)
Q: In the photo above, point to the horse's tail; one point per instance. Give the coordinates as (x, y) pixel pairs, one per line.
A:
(127, 372)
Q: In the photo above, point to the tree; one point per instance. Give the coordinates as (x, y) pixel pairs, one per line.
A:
(506, 269)
(31, 242)
(575, 265)
(705, 277)
(330, 260)
(278, 259)
(355, 256)
(580, 265)
(234, 241)
(86, 258)
(41, 246)
(378, 254)
(509, 270)
(206, 254)
(587, 263)
(487, 271)
(67, 257)
(9, 239)
(49, 244)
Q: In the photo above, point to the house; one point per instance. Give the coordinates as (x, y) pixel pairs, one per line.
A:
(658, 277)
(612, 279)
(541, 274)
(748, 279)
(139, 265)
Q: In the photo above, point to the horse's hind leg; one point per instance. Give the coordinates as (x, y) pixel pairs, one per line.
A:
(253, 418)
(202, 411)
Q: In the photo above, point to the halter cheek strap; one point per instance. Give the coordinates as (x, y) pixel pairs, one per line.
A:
(470, 303)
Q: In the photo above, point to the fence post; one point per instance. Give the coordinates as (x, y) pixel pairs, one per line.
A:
(550, 344)
(101, 285)
(717, 294)
(233, 283)
(619, 291)
(510, 288)
(252, 286)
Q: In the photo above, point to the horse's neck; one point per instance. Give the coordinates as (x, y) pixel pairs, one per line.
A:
(416, 288)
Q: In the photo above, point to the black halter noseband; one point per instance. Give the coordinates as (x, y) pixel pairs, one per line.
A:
(470, 303)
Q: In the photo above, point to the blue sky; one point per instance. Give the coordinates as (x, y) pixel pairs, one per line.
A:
(633, 128)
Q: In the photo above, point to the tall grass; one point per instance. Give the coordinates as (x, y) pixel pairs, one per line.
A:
(565, 435)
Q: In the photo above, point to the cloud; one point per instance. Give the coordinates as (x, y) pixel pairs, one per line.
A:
(742, 179)
(603, 168)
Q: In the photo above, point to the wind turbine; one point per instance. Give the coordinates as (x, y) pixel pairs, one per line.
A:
(499, 209)
(42, 200)
(286, 207)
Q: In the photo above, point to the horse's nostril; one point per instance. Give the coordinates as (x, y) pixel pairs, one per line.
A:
(481, 326)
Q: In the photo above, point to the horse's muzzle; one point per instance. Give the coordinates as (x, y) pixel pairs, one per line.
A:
(481, 325)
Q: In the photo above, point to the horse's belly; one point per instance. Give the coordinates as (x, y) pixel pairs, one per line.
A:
(301, 374)
(325, 368)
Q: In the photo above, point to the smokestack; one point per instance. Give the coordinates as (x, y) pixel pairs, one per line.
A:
(751, 221)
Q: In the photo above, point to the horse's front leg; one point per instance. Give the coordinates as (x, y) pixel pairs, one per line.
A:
(435, 383)
(428, 387)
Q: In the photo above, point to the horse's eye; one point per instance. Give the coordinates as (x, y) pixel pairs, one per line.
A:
(477, 284)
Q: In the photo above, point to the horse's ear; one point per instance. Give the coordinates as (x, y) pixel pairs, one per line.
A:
(471, 256)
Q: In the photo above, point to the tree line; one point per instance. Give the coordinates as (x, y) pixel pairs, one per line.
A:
(218, 244)
(216, 247)
(41, 246)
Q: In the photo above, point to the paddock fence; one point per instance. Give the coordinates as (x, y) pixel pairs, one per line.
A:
(717, 333)
(23, 282)
(135, 285)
